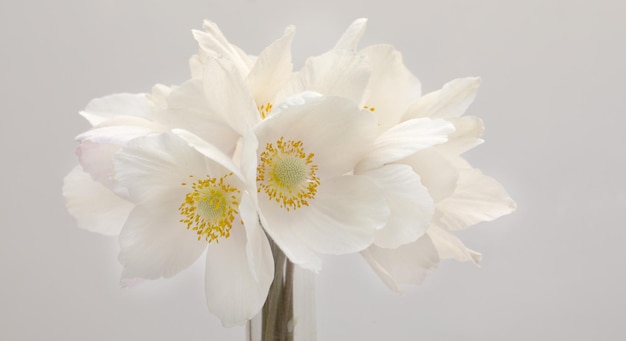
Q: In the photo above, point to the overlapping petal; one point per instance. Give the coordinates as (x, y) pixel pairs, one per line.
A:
(449, 102)
(406, 265)
(406, 139)
(411, 207)
(94, 206)
(234, 291)
(101, 109)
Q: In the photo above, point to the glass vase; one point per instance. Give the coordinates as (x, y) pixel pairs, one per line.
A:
(289, 310)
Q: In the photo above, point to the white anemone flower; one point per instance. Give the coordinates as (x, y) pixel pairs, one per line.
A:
(119, 118)
(189, 197)
(259, 78)
(461, 195)
(298, 160)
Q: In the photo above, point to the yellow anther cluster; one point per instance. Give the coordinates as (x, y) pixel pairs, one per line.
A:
(210, 208)
(265, 109)
(287, 174)
(372, 109)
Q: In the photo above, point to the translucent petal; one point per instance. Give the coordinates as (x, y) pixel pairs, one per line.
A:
(150, 166)
(258, 250)
(154, 243)
(343, 216)
(228, 95)
(405, 139)
(340, 73)
(272, 69)
(409, 264)
(392, 87)
(410, 205)
(450, 247)
(352, 35)
(235, 292)
(189, 109)
(467, 135)
(100, 109)
(209, 151)
(213, 43)
(96, 159)
(451, 101)
(280, 227)
(94, 206)
(437, 172)
(477, 198)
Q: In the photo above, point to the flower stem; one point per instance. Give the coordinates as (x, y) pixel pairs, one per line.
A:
(277, 313)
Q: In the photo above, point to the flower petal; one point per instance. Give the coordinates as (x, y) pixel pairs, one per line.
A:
(450, 247)
(233, 292)
(96, 159)
(340, 73)
(352, 35)
(343, 217)
(153, 165)
(407, 265)
(209, 150)
(120, 129)
(97, 146)
(451, 101)
(258, 249)
(392, 87)
(272, 69)
(477, 198)
(100, 109)
(405, 139)
(468, 130)
(188, 108)
(328, 127)
(228, 95)
(437, 173)
(154, 243)
(213, 44)
(280, 228)
(410, 205)
(94, 206)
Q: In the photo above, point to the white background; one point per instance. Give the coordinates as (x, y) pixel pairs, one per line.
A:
(552, 100)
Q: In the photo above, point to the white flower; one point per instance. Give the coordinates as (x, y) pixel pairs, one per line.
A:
(188, 200)
(463, 196)
(119, 118)
(228, 73)
(298, 160)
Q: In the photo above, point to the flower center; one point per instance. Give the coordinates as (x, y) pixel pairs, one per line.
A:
(210, 208)
(287, 174)
(264, 109)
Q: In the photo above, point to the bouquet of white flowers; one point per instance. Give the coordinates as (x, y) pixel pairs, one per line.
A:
(263, 169)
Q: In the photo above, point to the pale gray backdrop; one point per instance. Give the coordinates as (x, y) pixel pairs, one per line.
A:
(552, 100)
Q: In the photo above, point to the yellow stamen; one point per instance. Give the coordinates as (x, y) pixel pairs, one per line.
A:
(265, 109)
(210, 208)
(287, 174)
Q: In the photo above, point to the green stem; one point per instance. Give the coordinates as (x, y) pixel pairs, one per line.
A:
(278, 307)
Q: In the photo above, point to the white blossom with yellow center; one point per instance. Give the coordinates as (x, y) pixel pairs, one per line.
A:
(298, 162)
(189, 199)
